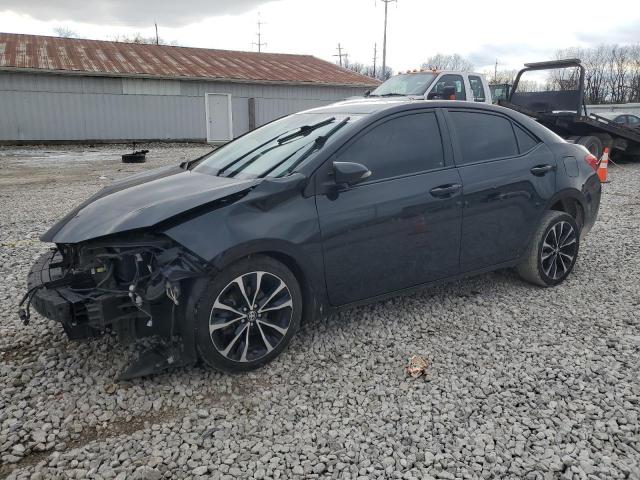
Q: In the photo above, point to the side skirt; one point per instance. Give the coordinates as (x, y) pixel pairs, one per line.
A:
(405, 291)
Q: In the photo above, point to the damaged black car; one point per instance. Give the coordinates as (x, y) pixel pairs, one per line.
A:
(221, 257)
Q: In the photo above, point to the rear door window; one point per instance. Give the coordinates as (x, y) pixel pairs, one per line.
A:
(399, 146)
(483, 137)
(477, 88)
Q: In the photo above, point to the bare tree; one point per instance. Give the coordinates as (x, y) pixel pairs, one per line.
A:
(139, 38)
(64, 32)
(367, 70)
(502, 77)
(441, 61)
(617, 72)
(634, 74)
(565, 78)
(612, 73)
(594, 79)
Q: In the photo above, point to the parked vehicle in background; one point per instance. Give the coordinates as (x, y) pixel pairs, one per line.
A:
(500, 92)
(346, 204)
(563, 110)
(436, 85)
(621, 118)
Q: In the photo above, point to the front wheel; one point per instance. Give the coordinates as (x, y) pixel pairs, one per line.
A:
(248, 314)
(553, 251)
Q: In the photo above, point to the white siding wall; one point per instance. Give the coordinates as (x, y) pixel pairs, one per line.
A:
(41, 107)
(633, 108)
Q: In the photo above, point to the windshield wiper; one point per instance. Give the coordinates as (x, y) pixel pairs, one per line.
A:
(393, 95)
(316, 145)
(302, 131)
(305, 130)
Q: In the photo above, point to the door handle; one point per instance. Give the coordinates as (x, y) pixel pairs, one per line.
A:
(541, 170)
(446, 191)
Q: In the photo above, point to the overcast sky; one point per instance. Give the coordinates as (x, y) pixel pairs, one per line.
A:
(511, 32)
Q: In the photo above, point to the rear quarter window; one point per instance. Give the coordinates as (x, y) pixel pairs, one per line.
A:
(526, 142)
(483, 137)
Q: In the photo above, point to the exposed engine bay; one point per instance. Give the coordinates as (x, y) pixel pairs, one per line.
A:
(133, 288)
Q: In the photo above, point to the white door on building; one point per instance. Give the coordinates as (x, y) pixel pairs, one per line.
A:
(219, 118)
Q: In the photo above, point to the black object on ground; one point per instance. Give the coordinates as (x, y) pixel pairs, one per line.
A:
(136, 157)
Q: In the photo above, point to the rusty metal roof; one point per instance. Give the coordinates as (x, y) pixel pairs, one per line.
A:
(96, 57)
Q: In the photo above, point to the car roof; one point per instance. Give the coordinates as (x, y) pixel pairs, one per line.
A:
(438, 72)
(370, 105)
(378, 107)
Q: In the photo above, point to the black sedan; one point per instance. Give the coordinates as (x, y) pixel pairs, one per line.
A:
(223, 256)
(626, 119)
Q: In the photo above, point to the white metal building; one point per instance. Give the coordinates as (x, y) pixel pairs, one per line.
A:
(59, 90)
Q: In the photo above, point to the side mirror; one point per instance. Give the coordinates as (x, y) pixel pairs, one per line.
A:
(367, 93)
(347, 174)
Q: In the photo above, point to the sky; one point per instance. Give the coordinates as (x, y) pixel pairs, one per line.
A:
(510, 32)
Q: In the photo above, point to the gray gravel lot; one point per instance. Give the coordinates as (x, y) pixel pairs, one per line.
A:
(522, 382)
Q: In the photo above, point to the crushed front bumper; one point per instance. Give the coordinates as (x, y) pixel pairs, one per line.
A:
(54, 298)
(89, 301)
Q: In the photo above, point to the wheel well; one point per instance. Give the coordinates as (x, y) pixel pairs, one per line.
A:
(309, 300)
(572, 207)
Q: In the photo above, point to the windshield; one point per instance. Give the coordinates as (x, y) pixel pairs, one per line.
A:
(407, 84)
(276, 149)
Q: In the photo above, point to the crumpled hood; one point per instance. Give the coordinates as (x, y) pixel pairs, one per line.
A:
(142, 201)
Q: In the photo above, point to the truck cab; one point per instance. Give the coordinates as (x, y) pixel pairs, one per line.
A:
(436, 85)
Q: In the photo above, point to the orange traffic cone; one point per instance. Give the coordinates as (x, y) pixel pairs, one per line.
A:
(603, 166)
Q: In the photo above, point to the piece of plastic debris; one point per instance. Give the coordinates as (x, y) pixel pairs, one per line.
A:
(417, 366)
(111, 388)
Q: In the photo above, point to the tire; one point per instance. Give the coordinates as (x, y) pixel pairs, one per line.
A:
(269, 324)
(593, 144)
(545, 265)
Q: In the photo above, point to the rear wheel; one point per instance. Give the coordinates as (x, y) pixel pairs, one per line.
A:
(248, 314)
(593, 144)
(553, 251)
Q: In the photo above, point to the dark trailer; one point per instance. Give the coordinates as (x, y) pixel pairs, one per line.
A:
(564, 111)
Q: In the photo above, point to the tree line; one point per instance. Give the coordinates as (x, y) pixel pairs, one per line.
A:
(612, 73)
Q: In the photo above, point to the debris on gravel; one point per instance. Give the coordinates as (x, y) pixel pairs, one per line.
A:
(525, 382)
(417, 366)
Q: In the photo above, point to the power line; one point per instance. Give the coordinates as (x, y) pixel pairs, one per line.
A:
(384, 44)
(341, 54)
(260, 43)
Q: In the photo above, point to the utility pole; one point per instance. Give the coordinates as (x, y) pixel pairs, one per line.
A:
(495, 73)
(260, 43)
(384, 44)
(157, 38)
(375, 58)
(341, 54)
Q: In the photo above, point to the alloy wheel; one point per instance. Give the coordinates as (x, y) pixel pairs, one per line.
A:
(559, 250)
(251, 316)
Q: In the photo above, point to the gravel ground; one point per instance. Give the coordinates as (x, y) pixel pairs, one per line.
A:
(522, 382)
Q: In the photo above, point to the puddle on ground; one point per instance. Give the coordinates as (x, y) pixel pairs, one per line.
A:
(45, 158)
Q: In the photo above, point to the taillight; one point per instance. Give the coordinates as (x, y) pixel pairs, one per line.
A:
(591, 160)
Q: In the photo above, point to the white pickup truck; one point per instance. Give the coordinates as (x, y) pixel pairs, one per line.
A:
(436, 85)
